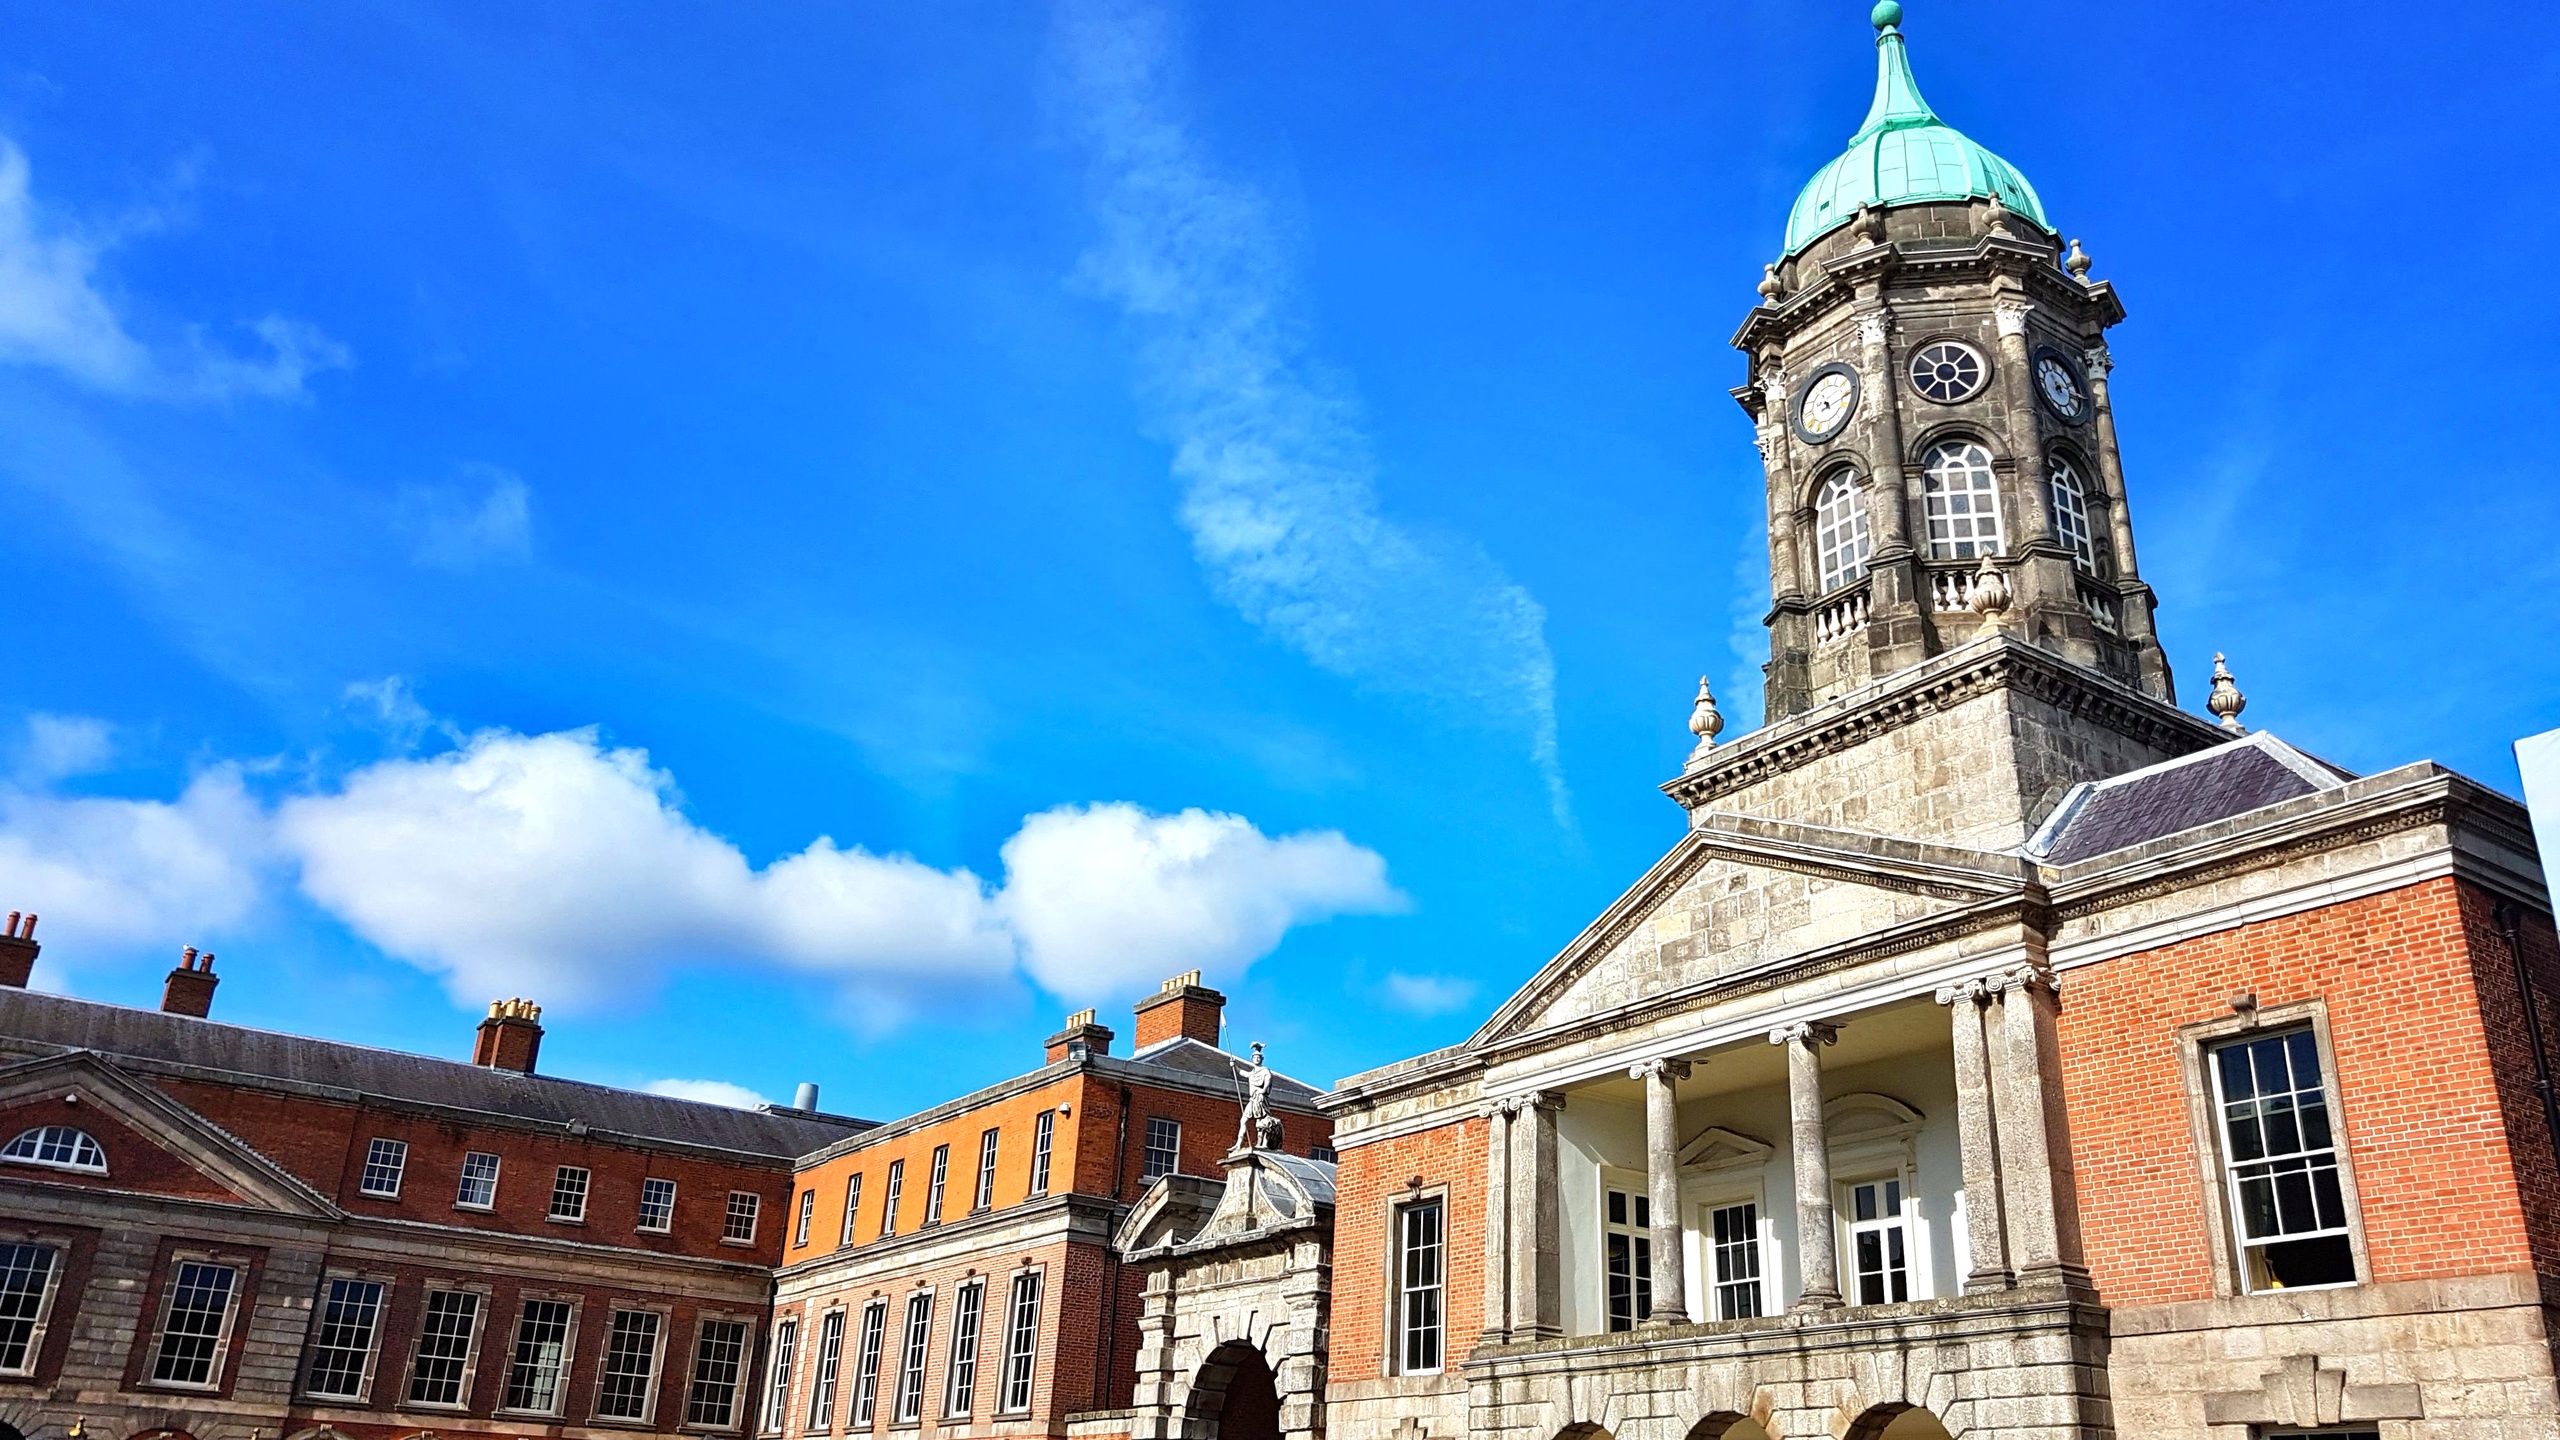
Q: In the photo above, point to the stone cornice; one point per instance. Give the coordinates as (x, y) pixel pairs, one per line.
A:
(1979, 667)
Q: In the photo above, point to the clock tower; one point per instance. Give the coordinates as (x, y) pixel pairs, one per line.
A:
(1928, 375)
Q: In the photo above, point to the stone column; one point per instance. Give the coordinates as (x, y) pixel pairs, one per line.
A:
(1986, 1224)
(1497, 1222)
(1537, 1257)
(2026, 451)
(2036, 1181)
(2110, 462)
(1816, 1257)
(1662, 1183)
(1888, 499)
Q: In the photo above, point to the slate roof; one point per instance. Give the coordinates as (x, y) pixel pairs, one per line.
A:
(1183, 1053)
(34, 1024)
(2105, 816)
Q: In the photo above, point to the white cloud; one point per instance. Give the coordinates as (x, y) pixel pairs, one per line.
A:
(52, 313)
(1279, 486)
(389, 706)
(1109, 897)
(112, 874)
(1428, 994)
(709, 1092)
(59, 746)
(463, 526)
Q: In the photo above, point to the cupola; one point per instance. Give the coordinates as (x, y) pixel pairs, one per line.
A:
(1904, 154)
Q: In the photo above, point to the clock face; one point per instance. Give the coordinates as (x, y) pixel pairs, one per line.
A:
(1827, 403)
(2061, 388)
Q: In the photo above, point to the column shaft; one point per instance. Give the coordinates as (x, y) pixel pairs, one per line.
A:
(1497, 1223)
(1662, 1183)
(1986, 1226)
(1816, 1254)
(1537, 1309)
(2034, 1141)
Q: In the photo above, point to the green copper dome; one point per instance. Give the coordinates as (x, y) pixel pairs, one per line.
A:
(1903, 154)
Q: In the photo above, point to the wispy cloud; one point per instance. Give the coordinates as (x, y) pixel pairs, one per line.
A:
(1428, 994)
(709, 1092)
(484, 518)
(53, 314)
(1279, 486)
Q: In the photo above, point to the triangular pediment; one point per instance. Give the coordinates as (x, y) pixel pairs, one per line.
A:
(1740, 895)
(151, 1143)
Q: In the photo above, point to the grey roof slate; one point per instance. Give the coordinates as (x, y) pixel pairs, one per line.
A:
(1182, 1053)
(2134, 808)
(33, 1024)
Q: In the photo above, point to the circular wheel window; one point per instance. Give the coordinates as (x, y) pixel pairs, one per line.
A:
(1947, 371)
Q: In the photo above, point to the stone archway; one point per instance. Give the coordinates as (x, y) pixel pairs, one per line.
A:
(1727, 1425)
(1234, 1397)
(1898, 1422)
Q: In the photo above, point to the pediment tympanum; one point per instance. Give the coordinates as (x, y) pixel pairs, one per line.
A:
(146, 1142)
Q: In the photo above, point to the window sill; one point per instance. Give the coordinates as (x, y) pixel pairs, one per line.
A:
(316, 1398)
(377, 1195)
(615, 1422)
(180, 1387)
(564, 1220)
(653, 1230)
(475, 1209)
(526, 1414)
(437, 1407)
(740, 1244)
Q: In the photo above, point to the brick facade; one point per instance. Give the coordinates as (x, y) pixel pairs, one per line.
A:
(1447, 1159)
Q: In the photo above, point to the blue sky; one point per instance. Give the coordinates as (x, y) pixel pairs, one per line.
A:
(813, 540)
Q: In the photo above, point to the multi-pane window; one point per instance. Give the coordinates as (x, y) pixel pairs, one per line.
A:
(1323, 1152)
(443, 1364)
(960, 1381)
(808, 1208)
(59, 1146)
(540, 1363)
(738, 1222)
(196, 1322)
(1735, 1258)
(628, 1386)
(866, 1362)
(1421, 1283)
(822, 1379)
(26, 1295)
(986, 1195)
(1839, 532)
(569, 1193)
(1962, 503)
(777, 1395)
(2280, 1155)
(479, 1187)
(1879, 1243)
(1164, 1147)
(385, 1161)
(1043, 1132)
(719, 1354)
(910, 1400)
(1947, 371)
(657, 1206)
(933, 1184)
(342, 1339)
(852, 1206)
(889, 1200)
(1021, 1343)
(2071, 515)
(1626, 1253)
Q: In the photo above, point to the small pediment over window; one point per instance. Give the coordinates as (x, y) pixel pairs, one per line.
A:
(1865, 1116)
(1716, 1148)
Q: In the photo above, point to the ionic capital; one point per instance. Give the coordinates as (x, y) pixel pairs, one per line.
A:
(1808, 1033)
(1528, 1100)
(1664, 1069)
(1979, 991)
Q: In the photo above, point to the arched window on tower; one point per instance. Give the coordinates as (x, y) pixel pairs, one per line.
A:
(2071, 514)
(1839, 533)
(1963, 505)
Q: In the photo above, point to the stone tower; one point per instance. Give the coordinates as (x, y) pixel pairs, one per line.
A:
(1928, 374)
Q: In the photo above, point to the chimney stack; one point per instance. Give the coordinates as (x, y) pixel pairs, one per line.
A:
(1080, 1036)
(511, 1037)
(806, 1097)
(18, 949)
(1181, 1007)
(190, 987)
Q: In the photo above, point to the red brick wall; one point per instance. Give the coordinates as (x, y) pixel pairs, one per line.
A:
(1013, 1118)
(2419, 1106)
(1370, 1179)
(2493, 971)
(1208, 1134)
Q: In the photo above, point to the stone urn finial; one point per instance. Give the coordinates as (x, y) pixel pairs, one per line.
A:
(2226, 701)
(2077, 262)
(1771, 287)
(1991, 596)
(1706, 722)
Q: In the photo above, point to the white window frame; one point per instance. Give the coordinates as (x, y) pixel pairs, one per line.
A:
(852, 1208)
(567, 1363)
(960, 1357)
(985, 1196)
(1840, 539)
(1044, 1130)
(872, 1337)
(1401, 1289)
(1960, 468)
(577, 1193)
(462, 1188)
(372, 1352)
(38, 1322)
(1638, 1230)
(382, 1153)
(1148, 1168)
(649, 1377)
(36, 1139)
(1023, 1295)
(470, 1349)
(666, 1213)
(915, 1345)
(889, 1199)
(1764, 1253)
(935, 1190)
(220, 1359)
(826, 1365)
(776, 1414)
(2230, 1181)
(2073, 522)
(1903, 1221)
(808, 1212)
(741, 1380)
(752, 1213)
